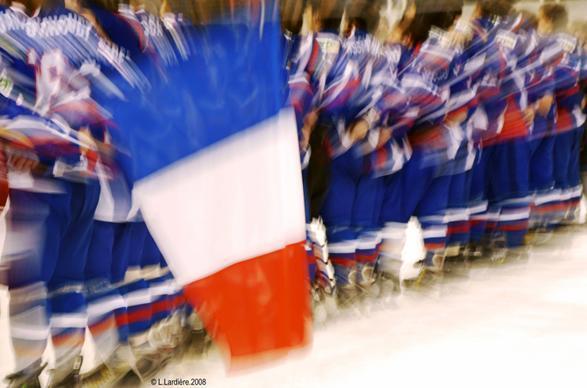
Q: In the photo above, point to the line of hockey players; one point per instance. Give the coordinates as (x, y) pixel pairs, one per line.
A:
(471, 125)
(81, 268)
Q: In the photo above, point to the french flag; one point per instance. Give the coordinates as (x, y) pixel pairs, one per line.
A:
(216, 171)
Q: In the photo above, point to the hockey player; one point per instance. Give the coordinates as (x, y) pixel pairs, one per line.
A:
(23, 257)
(540, 56)
(396, 117)
(345, 96)
(523, 106)
(488, 119)
(66, 88)
(169, 308)
(67, 226)
(376, 64)
(299, 63)
(125, 253)
(424, 180)
(552, 22)
(312, 70)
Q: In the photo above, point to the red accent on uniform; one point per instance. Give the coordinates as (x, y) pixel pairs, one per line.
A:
(3, 179)
(121, 319)
(568, 92)
(514, 125)
(550, 208)
(76, 337)
(565, 121)
(141, 314)
(177, 301)
(163, 305)
(431, 137)
(434, 246)
(103, 325)
(367, 258)
(523, 225)
(460, 227)
(457, 112)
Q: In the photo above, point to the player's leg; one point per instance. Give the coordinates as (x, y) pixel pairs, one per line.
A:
(135, 289)
(498, 187)
(103, 298)
(431, 213)
(478, 202)
(393, 233)
(366, 212)
(404, 192)
(542, 183)
(515, 204)
(457, 214)
(337, 214)
(151, 272)
(308, 246)
(175, 326)
(562, 159)
(121, 251)
(66, 285)
(22, 262)
(574, 178)
(159, 288)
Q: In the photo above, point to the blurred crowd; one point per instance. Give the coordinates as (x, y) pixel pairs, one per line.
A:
(471, 125)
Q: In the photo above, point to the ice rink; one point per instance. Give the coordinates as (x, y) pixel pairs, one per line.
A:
(519, 324)
(522, 323)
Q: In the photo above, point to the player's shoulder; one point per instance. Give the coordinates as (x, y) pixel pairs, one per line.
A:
(55, 12)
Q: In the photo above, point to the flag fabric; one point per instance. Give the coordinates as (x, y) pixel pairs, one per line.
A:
(218, 181)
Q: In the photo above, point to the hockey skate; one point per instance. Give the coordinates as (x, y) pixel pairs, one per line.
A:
(28, 377)
(499, 251)
(367, 287)
(431, 270)
(149, 358)
(472, 252)
(571, 217)
(114, 369)
(346, 287)
(541, 235)
(387, 279)
(66, 376)
(150, 362)
(453, 258)
(197, 340)
(459, 264)
(324, 287)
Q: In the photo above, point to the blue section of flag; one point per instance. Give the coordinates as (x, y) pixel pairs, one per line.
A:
(230, 80)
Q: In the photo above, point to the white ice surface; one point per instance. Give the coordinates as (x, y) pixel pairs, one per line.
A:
(520, 324)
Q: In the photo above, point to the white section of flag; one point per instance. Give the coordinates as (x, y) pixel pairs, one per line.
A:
(238, 199)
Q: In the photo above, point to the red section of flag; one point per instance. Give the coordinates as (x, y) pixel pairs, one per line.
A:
(258, 308)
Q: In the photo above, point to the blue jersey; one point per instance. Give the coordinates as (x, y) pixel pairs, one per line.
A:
(568, 75)
(489, 52)
(62, 70)
(300, 51)
(539, 59)
(393, 111)
(426, 82)
(333, 79)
